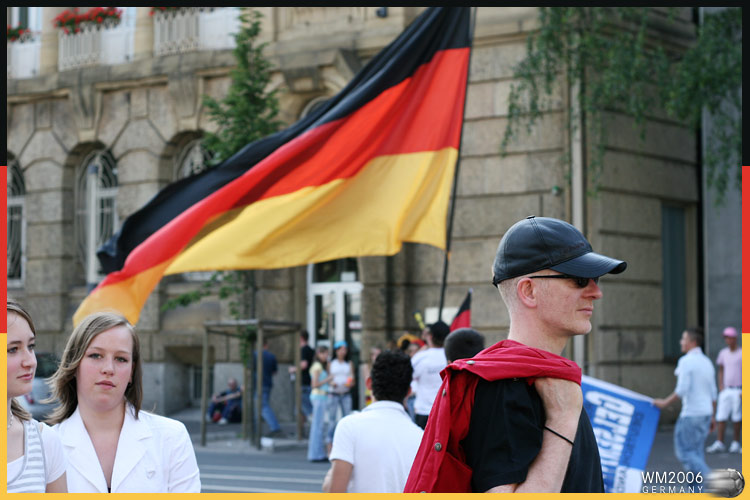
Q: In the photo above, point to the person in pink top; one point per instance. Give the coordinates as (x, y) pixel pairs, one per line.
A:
(729, 404)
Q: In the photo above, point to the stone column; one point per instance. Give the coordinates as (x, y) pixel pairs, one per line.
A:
(50, 41)
(144, 34)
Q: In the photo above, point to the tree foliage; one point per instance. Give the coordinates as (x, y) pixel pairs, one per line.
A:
(606, 52)
(247, 113)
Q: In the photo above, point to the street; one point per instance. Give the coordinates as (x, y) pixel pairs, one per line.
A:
(252, 471)
(230, 465)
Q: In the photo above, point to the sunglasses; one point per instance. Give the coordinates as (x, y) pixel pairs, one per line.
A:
(580, 282)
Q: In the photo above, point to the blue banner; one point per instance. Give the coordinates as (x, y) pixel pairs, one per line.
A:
(624, 423)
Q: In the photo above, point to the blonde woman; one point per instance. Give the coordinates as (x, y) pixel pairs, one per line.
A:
(36, 460)
(112, 445)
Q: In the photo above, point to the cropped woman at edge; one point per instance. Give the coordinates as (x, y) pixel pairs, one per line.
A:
(36, 459)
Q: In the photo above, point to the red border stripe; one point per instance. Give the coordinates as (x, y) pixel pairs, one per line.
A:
(745, 249)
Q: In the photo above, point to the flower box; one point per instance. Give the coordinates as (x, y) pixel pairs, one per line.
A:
(18, 33)
(71, 21)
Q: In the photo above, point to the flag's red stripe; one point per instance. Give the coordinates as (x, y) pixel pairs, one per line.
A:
(463, 320)
(745, 248)
(404, 119)
(4, 242)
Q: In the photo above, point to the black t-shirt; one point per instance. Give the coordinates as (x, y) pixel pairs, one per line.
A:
(505, 435)
(307, 354)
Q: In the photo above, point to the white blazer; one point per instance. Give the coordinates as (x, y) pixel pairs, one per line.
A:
(154, 455)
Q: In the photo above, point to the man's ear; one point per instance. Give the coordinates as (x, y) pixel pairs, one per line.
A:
(368, 383)
(527, 292)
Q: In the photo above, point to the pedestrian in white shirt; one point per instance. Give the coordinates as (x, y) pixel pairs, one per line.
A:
(428, 364)
(373, 450)
(696, 387)
(112, 445)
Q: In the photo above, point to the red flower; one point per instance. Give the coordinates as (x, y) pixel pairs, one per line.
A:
(73, 21)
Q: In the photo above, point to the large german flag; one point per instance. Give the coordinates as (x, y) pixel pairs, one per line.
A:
(370, 169)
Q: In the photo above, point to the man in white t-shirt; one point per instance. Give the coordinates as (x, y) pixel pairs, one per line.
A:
(373, 449)
(428, 364)
(729, 404)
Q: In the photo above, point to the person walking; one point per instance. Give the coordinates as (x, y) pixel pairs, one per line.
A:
(112, 445)
(428, 364)
(319, 380)
(511, 418)
(339, 393)
(270, 367)
(307, 355)
(729, 404)
(373, 450)
(36, 460)
(696, 387)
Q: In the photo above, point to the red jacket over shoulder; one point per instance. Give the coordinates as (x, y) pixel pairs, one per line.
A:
(440, 464)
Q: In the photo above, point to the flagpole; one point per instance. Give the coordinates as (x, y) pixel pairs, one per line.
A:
(455, 174)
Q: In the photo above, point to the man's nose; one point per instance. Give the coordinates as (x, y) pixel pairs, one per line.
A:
(593, 290)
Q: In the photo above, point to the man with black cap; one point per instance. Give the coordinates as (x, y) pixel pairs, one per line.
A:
(427, 365)
(511, 419)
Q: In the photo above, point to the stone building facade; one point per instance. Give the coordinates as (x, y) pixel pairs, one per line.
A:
(137, 116)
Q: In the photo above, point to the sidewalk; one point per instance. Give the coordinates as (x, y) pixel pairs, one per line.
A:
(227, 438)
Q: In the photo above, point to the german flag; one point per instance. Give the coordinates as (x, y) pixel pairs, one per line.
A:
(462, 319)
(369, 170)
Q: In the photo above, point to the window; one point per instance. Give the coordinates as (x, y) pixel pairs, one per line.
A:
(674, 279)
(26, 17)
(334, 271)
(96, 209)
(192, 159)
(16, 225)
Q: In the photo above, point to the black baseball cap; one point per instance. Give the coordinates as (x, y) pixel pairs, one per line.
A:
(537, 243)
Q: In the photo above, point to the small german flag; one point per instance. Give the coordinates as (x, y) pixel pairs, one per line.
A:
(370, 169)
(462, 319)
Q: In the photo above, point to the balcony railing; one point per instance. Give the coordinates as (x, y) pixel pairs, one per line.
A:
(98, 44)
(195, 28)
(23, 56)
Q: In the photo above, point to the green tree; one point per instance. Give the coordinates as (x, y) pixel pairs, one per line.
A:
(247, 113)
(607, 54)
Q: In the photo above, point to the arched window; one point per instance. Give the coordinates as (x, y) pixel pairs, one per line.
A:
(96, 209)
(16, 225)
(192, 159)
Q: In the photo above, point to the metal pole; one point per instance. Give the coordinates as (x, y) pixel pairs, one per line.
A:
(455, 174)
(204, 387)
(258, 383)
(245, 397)
(298, 386)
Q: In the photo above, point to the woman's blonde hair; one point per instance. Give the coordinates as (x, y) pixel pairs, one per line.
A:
(14, 307)
(63, 382)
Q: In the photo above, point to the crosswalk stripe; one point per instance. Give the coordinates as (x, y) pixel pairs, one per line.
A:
(208, 488)
(236, 477)
(227, 468)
